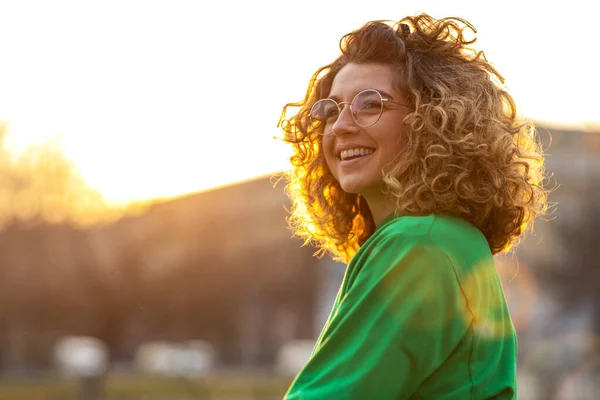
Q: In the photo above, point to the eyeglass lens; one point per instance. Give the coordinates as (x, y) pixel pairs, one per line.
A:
(366, 109)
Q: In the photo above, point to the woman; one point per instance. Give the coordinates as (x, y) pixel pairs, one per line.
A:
(411, 165)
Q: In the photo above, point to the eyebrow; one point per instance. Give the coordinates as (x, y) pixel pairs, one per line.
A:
(383, 93)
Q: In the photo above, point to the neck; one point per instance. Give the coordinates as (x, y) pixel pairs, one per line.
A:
(381, 206)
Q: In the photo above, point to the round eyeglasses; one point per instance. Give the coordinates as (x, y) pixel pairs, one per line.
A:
(366, 109)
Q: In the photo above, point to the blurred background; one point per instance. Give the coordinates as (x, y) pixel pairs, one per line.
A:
(144, 252)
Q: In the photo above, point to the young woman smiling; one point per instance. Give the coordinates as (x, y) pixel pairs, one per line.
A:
(410, 165)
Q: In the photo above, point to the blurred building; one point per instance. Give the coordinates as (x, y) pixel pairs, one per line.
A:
(221, 266)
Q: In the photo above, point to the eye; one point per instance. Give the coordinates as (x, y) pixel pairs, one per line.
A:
(367, 102)
(325, 110)
(370, 105)
(330, 113)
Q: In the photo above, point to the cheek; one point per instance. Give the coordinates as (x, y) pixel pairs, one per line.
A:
(391, 154)
(392, 140)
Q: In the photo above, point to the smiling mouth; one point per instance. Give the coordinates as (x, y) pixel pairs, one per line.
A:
(352, 154)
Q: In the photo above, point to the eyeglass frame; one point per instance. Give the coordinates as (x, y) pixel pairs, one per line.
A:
(352, 113)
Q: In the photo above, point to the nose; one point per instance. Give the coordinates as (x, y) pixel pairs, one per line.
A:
(345, 124)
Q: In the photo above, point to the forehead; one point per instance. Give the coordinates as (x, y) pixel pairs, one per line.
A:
(353, 78)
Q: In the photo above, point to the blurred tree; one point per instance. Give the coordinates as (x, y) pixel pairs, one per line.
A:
(41, 184)
(43, 254)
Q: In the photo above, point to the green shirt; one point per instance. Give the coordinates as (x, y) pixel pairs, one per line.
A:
(420, 314)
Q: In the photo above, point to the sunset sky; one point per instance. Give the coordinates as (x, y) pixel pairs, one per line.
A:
(160, 98)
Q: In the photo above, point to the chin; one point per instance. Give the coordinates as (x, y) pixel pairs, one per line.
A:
(353, 186)
(365, 187)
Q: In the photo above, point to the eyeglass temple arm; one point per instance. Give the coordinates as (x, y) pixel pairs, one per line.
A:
(393, 102)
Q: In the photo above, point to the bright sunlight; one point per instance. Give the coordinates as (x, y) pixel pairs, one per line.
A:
(153, 99)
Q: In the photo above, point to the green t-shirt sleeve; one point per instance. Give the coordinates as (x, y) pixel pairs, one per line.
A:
(401, 316)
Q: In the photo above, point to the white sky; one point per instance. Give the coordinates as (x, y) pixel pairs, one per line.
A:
(160, 98)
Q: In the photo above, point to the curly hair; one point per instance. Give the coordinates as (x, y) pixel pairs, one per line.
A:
(465, 151)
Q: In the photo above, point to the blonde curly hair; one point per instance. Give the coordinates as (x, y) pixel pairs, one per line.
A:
(465, 152)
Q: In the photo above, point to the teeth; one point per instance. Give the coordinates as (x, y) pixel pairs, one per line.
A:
(361, 151)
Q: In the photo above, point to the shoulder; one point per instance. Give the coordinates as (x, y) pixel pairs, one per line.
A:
(409, 258)
(448, 233)
(400, 244)
(434, 226)
(443, 239)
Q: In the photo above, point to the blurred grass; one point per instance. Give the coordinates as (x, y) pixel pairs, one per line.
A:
(145, 387)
